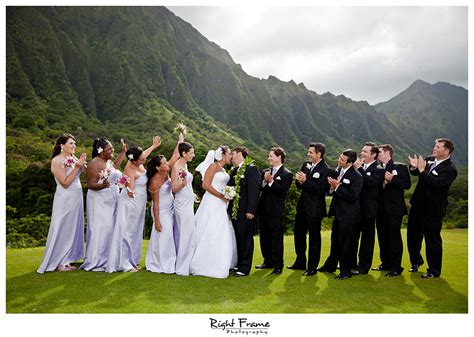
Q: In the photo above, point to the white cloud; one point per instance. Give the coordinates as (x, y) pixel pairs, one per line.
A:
(365, 53)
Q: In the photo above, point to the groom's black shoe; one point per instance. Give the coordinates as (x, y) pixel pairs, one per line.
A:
(276, 271)
(263, 266)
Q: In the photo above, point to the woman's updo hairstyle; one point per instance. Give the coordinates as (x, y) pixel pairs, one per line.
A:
(99, 145)
(134, 153)
(184, 147)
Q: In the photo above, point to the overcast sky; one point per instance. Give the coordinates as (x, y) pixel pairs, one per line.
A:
(364, 53)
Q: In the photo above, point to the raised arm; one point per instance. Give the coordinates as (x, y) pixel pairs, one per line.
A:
(156, 143)
(121, 155)
(175, 155)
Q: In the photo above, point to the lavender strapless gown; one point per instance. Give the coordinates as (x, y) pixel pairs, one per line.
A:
(65, 243)
(126, 247)
(184, 234)
(161, 253)
(101, 214)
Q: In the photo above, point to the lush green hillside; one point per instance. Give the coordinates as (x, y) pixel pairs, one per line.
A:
(424, 112)
(133, 72)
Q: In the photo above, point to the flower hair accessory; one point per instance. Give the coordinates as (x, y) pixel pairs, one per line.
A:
(218, 154)
(130, 156)
(99, 150)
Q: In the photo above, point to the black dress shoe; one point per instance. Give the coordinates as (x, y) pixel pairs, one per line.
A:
(233, 270)
(296, 267)
(355, 272)
(429, 275)
(393, 273)
(239, 274)
(380, 268)
(263, 266)
(343, 276)
(276, 272)
(310, 272)
(414, 268)
(325, 270)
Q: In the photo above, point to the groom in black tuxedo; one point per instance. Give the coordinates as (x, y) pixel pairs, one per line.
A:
(435, 174)
(248, 203)
(275, 183)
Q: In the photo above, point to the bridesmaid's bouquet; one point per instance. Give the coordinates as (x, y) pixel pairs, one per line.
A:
(104, 175)
(182, 174)
(181, 128)
(229, 192)
(122, 181)
(68, 162)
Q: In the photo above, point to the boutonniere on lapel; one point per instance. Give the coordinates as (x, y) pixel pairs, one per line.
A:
(395, 173)
(248, 161)
(309, 166)
(346, 181)
(278, 178)
(434, 172)
(368, 173)
(316, 175)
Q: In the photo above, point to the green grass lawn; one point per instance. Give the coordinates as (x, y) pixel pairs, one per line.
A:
(260, 292)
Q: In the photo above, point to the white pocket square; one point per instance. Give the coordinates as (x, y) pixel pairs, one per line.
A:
(434, 172)
(395, 173)
(316, 175)
(368, 173)
(346, 181)
(278, 178)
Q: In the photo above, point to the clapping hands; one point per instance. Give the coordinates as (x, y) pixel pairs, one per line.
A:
(417, 162)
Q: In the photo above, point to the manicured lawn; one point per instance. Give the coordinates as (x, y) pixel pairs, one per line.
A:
(146, 292)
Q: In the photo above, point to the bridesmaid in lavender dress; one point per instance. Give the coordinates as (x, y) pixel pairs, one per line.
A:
(102, 199)
(181, 184)
(161, 253)
(126, 247)
(65, 243)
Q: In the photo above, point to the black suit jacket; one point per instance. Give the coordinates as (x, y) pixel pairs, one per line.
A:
(392, 196)
(345, 204)
(373, 181)
(249, 191)
(272, 199)
(312, 200)
(431, 192)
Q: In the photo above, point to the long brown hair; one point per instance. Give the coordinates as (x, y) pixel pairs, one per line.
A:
(61, 141)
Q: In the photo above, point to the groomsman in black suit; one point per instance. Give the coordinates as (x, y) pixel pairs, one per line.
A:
(435, 174)
(249, 195)
(346, 184)
(391, 210)
(373, 175)
(311, 208)
(275, 183)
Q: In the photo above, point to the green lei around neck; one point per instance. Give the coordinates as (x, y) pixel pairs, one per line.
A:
(237, 178)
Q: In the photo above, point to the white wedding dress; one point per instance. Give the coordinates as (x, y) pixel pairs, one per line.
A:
(216, 248)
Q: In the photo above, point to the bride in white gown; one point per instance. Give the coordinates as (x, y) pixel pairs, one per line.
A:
(216, 248)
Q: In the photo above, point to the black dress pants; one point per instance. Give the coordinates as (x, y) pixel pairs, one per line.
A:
(303, 225)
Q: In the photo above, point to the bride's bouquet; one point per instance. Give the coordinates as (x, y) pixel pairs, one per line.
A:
(229, 192)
